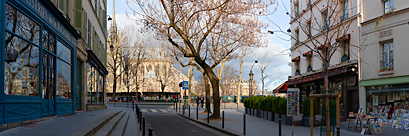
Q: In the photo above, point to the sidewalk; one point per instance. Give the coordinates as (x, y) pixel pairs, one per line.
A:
(261, 127)
(82, 123)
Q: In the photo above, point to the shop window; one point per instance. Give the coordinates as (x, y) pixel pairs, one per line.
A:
(388, 6)
(48, 41)
(21, 25)
(48, 77)
(387, 55)
(63, 52)
(63, 79)
(21, 67)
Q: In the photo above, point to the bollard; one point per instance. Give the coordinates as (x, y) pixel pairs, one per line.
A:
(197, 113)
(183, 112)
(237, 105)
(223, 119)
(133, 107)
(279, 126)
(143, 129)
(244, 124)
(150, 131)
(140, 122)
(208, 110)
(189, 111)
(338, 132)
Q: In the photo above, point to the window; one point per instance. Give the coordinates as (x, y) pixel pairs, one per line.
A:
(85, 26)
(387, 55)
(345, 11)
(345, 48)
(388, 6)
(48, 77)
(297, 67)
(297, 34)
(63, 71)
(309, 63)
(21, 56)
(308, 3)
(324, 20)
(309, 34)
(89, 33)
(296, 9)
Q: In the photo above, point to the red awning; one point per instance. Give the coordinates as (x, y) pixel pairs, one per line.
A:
(296, 59)
(317, 76)
(308, 53)
(282, 87)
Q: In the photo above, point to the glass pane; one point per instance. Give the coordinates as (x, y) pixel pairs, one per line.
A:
(386, 6)
(48, 77)
(63, 52)
(48, 41)
(63, 79)
(391, 5)
(21, 67)
(101, 90)
(90, 73)
(21, 25)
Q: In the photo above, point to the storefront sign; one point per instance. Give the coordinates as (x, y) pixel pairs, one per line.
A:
(292, 101)
(51, 19)
(351, 82)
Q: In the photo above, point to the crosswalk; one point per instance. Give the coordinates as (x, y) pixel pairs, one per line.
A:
(155, 111)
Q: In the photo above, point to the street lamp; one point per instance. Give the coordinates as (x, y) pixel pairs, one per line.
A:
(251, 78)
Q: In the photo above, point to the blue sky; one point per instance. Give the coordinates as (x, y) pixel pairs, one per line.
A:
(278, 71)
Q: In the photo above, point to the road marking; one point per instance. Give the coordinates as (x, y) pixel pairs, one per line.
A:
(144, 110)
(163, 110)
(153, 110)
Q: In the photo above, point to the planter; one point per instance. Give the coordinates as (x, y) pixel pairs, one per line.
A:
(333, 121)
(248, 111)
(345, 58)
(309, 69)
(266, 115)
(255, 113)
(271, 116)
(285, 120)
(306, 121)
(261, 114)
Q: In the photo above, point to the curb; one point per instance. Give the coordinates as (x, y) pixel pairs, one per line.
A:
(212, 126)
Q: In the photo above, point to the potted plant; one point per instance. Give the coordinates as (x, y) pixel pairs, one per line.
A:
(282, 112)
(306, 112)
(385, 69)
(345, 57)
(254, 106)
(268, 107)
(309, 68)
(297, 72)
(261, 106)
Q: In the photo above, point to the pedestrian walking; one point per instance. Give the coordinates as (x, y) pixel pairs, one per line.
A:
(197, 101)
(202, 100)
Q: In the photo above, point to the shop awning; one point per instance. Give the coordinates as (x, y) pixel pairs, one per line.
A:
(282, 87)
(331, 72)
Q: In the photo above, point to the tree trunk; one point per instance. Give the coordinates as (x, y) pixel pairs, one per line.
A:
(327, 118)
(207, 89)
(114, 88)
(189, 93)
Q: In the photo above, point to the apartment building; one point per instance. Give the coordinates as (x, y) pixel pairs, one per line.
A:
(384, 79)
(324, 33)
(89, 18)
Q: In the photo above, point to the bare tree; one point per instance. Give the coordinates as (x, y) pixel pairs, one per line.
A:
(327, 26)
(187, 25)
(263, 66)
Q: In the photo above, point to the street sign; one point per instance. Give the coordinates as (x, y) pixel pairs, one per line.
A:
(185, 85)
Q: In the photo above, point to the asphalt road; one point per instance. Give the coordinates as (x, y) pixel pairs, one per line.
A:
(168, 123)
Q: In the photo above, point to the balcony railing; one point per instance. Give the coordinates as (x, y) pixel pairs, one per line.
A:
(387, 63)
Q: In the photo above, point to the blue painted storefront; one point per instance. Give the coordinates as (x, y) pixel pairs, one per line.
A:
(48, 74)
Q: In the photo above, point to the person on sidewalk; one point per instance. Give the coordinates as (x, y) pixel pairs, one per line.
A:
(202, 101)
(197, 101)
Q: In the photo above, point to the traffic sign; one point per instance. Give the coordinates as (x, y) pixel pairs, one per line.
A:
(185, 85)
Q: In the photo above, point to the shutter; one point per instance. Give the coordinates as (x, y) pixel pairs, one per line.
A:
(78, 15)
(92, 39)
(104, 21)
(85, 27)
(61, 6)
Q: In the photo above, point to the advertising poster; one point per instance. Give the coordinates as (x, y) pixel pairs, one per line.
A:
(292, 101)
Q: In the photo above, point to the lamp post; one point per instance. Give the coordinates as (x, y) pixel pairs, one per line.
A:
(251, 74)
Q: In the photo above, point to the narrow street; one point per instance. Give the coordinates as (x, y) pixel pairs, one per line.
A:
(165, 122)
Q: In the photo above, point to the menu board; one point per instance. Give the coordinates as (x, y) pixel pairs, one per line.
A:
(292, 101)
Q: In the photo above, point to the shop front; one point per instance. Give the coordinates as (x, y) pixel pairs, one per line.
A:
(96, 74)
(342, 80)
(388, 100)
(38, 47)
